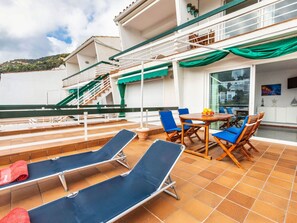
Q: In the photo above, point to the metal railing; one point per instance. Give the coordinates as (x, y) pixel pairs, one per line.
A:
(97, 90)
(246, 20)
(89, 73)
(47, 117)
(89, 127)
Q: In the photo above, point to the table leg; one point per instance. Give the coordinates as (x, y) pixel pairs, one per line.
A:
(182, 135)
(206, 139)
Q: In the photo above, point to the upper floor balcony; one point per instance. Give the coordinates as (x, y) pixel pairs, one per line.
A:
(234, 23)
(84, 76)
(87, 61)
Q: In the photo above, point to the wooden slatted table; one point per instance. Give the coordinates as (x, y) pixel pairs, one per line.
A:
(207, 121)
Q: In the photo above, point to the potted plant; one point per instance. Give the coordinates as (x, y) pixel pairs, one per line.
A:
(142, 133)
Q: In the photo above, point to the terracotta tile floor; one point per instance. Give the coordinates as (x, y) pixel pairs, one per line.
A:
(210, 191)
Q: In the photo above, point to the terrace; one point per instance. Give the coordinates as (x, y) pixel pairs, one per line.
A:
(264, 191)
(210, 191)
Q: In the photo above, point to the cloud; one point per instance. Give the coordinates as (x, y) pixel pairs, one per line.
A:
(37, 28)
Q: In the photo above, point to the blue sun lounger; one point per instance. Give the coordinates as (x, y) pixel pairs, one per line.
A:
(110, 200)
(111, 151)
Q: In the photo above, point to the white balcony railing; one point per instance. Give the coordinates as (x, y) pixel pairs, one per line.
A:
(89, 74)
(98, 89)
(246, 20)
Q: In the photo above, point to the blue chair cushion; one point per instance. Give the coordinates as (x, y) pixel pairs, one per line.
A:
(229, 111)
(221, 110)
(234, 130)
(167, 121)
(185, 111)
(174, 129)
(186, 127)
(228, 136)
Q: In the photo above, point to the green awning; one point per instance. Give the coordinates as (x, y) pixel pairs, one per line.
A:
(262, 51)
(159, 72)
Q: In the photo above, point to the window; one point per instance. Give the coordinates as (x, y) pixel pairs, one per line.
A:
(285, 10)
(242, 24)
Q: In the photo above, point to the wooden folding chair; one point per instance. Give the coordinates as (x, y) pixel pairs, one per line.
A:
(235, 141)
(236, 130)
(260, 118)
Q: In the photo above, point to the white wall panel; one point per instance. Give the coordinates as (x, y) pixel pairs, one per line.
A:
(152, 94)
(37, 87)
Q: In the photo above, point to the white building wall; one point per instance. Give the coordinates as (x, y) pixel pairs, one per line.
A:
(169, 94)
(104, 52)
(193, 89)
(275, 77)
(38, 87)
(206, 6)
(85, 61)
(157, 92)
(130, 37)
(153, 94)
(71, 68)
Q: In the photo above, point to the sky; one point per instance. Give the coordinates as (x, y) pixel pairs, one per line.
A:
(32, 29)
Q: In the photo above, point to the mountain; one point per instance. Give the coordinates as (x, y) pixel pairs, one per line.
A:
(43, 63)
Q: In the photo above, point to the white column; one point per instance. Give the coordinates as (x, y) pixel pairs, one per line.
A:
(86, 125)
(178, 83)
(252, 90)
(141, 95)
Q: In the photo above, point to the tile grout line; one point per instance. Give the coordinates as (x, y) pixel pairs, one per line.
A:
(281, 187)
(152, 213)
(234, 187)
(217, 194)
(204, 189)
(290, 197)
(265, 184)
(208, 191)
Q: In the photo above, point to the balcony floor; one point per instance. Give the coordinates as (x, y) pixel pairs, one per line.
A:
(210, 191)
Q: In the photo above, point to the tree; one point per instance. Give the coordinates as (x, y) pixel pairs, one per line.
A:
(239, 94)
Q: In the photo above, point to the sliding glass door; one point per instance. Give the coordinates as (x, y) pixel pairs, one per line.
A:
(230, 89)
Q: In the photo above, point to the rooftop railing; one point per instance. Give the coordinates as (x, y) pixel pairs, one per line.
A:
(20, 117)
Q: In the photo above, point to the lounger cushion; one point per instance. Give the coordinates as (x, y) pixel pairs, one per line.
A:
(53, 167)
(98, 203)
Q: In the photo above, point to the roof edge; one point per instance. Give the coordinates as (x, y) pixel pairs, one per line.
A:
(128, 9)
